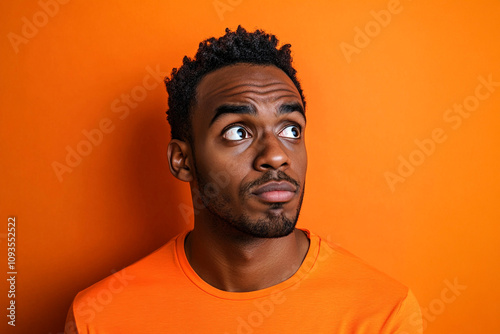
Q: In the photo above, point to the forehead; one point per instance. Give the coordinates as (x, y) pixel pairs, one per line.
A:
(245, 83)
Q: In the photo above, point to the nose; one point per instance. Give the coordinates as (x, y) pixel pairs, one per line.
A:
(271, 154)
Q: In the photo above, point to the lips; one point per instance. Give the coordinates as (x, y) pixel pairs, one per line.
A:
(275, 192)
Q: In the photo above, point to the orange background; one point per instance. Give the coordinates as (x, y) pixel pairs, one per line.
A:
(365, 110)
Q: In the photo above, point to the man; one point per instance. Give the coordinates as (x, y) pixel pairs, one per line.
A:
(237, 114)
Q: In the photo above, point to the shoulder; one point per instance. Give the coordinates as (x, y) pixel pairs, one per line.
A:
(345, 271)
(353, 284)
(118, 291)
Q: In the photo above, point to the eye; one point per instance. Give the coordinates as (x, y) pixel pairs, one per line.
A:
(291, 131)
(236, 133)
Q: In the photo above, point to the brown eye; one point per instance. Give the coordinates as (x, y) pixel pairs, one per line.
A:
(236, 133)
(291, 131)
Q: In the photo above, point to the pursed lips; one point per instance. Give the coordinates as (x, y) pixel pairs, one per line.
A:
(275, 192)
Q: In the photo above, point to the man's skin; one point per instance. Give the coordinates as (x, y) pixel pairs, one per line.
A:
(244, 237)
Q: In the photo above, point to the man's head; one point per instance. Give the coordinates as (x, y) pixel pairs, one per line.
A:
(239, 139)
(235, 47)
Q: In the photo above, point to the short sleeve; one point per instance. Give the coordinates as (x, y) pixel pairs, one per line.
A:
(70, 326)
(407, 317)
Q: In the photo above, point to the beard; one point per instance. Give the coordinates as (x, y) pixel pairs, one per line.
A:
(275, 224)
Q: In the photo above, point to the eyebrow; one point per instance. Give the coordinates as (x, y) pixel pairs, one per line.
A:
(285, 108)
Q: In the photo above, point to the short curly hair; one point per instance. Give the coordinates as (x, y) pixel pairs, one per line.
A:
(235, 47)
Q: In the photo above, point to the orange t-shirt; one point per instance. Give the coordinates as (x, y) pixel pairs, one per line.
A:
(332, 292)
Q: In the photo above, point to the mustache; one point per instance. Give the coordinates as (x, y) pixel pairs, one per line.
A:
(267, 177)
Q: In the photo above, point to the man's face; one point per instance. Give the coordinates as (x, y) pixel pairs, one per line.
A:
(249, 152)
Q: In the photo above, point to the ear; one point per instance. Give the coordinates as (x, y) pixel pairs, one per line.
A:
(179, 160)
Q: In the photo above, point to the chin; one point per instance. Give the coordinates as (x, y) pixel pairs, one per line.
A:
(273, 225)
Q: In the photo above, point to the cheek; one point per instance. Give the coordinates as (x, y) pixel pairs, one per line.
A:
(219, 171)
(211, 161)
(229, 160)
(300, 162)
(305, 162)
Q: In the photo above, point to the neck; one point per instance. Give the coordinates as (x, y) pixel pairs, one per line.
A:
(239, 264)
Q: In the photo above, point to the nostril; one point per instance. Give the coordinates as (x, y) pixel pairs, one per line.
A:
(276, 165)
(267, 166)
